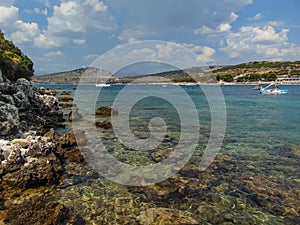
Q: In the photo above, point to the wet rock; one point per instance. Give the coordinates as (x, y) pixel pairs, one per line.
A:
(65, 105)
(37, 211)
(104, 125)
(65, 99)
(70, 139)
(42, 171)
(106, 111)
(65, 93)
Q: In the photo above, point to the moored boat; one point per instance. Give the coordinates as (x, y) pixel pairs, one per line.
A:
(274, 90)
(102, 85)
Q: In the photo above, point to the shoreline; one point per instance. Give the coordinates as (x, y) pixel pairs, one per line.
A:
(189, 84)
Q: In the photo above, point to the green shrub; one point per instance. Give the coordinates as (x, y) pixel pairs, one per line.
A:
(14, 63)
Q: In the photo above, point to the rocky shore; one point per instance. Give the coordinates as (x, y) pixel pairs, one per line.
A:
(34, 159)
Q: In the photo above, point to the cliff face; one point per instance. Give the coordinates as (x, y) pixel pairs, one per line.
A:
(14, 64)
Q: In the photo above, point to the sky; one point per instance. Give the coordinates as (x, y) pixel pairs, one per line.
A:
(61, 35)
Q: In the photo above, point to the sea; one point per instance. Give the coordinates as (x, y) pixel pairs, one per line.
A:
(248, 142)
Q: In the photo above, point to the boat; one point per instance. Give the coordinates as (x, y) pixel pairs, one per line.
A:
(102, 85)
(274, 90)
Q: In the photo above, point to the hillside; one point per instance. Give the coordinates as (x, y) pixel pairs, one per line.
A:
(14, 64)
(251, 71)
(254, 71)
(88, 75)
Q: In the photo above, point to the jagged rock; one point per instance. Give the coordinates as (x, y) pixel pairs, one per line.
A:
(106, 111)
(41, 147)
(50, 101)
(9, 119)
(24, 86)
(69, 139)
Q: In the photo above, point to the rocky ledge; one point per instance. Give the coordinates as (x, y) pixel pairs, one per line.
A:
(23, 109)
(34, 157)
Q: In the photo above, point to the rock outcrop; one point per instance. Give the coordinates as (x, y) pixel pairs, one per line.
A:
(23, 108)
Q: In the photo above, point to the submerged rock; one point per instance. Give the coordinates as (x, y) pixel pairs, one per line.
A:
(106, 111)
(165, 216)
(37, 210)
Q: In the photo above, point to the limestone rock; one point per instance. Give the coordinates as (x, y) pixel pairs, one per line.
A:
(9, 119)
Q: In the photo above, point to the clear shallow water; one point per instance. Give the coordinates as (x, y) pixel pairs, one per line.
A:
(254, 180)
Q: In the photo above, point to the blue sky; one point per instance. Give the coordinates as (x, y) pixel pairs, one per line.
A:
(61, 35)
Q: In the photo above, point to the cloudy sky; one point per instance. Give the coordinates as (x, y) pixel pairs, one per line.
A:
(60, 35)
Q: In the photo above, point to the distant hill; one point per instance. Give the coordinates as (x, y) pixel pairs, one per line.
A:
(88, 75)
(251, 71)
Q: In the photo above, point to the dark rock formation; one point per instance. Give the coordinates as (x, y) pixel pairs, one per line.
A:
(23, 108)
(106, 111)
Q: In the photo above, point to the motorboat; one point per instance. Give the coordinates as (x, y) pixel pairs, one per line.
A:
(274, 90)
(102, 85)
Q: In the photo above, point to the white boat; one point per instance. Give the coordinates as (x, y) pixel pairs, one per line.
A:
(274, 90)
(102, 85)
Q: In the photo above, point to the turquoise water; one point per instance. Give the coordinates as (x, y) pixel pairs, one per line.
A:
(255, 179)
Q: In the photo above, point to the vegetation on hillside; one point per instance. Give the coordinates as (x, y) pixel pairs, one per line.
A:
(257, 71)
(14, 63)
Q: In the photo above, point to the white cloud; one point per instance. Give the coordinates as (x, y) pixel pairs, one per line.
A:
(267, 35)
(204, 53)
(257, 17)
(48, 41)
(233, 17)
(79, 15)
(54, 54)
(8, 15)
(41, 11)
(275, 23)
(222, 28)
(260, 42)
(26, 32)
(79, 41)
(135, 33)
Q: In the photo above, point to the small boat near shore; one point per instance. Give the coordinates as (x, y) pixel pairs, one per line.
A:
(102, 85)
(274, 90)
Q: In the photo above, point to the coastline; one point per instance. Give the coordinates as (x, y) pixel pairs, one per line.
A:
(234, 188)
